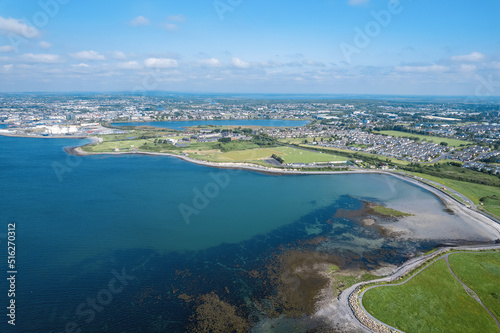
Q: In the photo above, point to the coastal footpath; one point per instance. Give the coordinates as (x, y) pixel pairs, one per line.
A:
(471, 212)
(350, 300)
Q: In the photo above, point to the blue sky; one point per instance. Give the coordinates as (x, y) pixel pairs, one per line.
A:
(419, 47)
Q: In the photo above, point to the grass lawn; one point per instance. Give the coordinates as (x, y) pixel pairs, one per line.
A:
(470, 190)
(109, 146)
(360, 153)
(481, 272)
(433, 301)
(290, 155)
(389, 211)
(435, 139)
(247, 155)
(295, 155)
(444, 161)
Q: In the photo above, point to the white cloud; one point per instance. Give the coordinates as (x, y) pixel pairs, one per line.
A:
(473, 57)
(130, 65)
(88, 55)
(357, 2)
(237, 62)
(177, 18)
(171, 27)
(44, 45)
(313, 63)
(139, 20)
(83, 65)
(8, 67)
(212, 62)
(119, 55)
(18, 27)
(160, 63)
(6, 48)
(41, 58)
(422, 69)
(467, 68)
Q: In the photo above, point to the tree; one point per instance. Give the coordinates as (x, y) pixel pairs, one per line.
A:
(444, 143)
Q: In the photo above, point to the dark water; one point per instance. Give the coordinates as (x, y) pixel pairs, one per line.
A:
(184, 236)
(180, 125)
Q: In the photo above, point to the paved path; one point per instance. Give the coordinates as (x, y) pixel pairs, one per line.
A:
(401, 271)
(360, 296)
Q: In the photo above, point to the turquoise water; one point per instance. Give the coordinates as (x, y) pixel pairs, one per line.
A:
(79, 218)
(180, 125)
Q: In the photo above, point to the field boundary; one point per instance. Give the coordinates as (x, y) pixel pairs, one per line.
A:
(351, 298)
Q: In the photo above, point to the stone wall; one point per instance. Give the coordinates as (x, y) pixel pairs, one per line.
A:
(371, 324)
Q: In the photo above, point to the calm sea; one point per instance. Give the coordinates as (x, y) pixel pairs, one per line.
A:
(132, 243)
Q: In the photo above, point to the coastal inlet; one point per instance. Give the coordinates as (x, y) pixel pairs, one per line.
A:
(261, 253)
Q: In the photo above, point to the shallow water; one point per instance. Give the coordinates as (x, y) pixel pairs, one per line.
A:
(80, 218)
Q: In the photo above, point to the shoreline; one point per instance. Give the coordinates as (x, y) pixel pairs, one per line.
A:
(448, 201)
(340, 305)
(354, 293)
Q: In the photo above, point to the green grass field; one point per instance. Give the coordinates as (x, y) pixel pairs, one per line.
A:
(109, 146)
(471, 191)
(444, 162)
(389, 211)
(433, 301)
(361, 154)
(481, 272)
(290, 155)
(435, 139)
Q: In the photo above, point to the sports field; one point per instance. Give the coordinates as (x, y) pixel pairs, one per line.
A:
(290, 155)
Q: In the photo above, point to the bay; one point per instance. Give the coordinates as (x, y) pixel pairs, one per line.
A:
(182, 232)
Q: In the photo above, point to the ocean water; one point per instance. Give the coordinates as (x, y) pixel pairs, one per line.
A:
(180, 125)
(169, 237)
